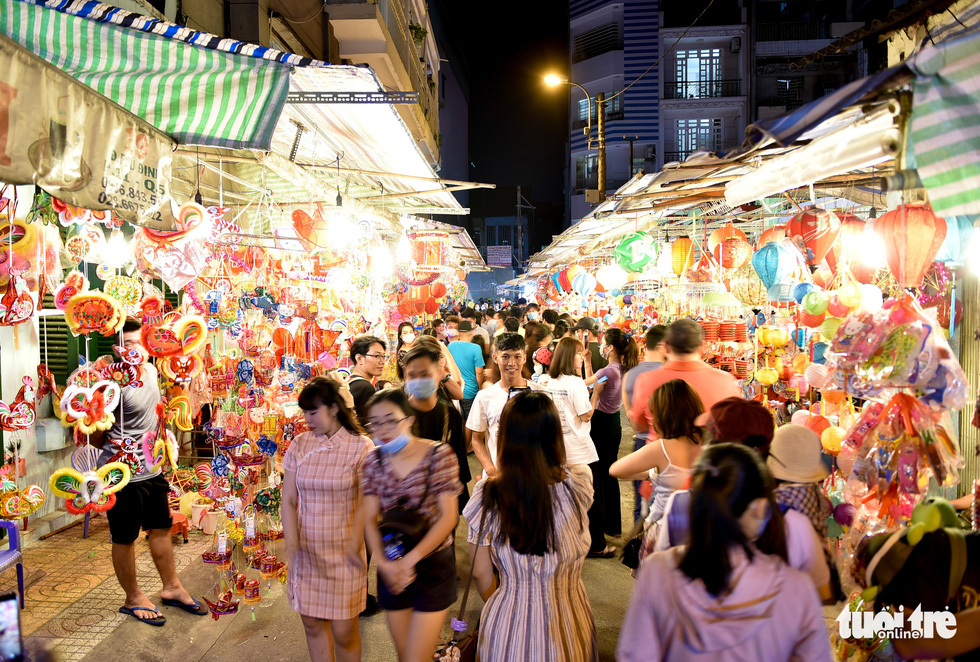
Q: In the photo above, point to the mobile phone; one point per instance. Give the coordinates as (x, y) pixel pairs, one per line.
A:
(517, 390)
(602, 379)
(11, 643)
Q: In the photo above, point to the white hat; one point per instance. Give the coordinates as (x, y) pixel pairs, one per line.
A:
(794, 455)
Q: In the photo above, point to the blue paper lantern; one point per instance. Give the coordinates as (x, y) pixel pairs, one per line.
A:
(801, 337)
(781, 291)
(820, 352)
(554, 279)
(774, 264)
(801, 290)
(959, 231)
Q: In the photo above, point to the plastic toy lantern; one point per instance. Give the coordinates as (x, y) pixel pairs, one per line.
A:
(635, 251)
(682, 255)
(814, 231)
(912, 235)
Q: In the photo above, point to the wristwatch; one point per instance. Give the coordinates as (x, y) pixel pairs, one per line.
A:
(445, 379)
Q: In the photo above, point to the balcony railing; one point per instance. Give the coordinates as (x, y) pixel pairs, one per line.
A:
(703, 89)
(396, 20)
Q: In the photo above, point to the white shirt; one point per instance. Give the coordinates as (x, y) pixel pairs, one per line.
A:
(485, 414)
(480, 331)
(571, 397)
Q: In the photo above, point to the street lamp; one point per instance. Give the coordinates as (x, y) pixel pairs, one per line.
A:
(554, 80)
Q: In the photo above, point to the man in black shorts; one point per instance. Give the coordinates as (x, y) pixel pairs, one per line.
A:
(143, 503)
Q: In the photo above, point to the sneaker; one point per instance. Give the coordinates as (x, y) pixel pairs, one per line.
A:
(372, 607)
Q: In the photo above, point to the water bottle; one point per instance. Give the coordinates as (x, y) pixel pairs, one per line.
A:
(393, 546)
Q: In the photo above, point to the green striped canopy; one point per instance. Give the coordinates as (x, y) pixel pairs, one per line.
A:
(945, 131)
(200, 96)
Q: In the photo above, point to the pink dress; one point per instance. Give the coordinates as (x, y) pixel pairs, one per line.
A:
(322, 583)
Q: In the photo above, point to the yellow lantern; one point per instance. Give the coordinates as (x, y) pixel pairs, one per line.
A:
(767, 376)
(682, 255)
(831, 439)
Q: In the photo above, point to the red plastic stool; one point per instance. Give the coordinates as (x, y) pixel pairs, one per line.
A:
(180, 525)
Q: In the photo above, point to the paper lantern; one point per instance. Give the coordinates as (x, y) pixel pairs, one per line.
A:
(438, 290)
(871, 298)
(566, 283)
(850, 294)
(801, 362)
(781, 292)
(747, 287)
(702, 272)
(822, 277)
(431, 306)
(773, 263)
(829, 327)
(611, 276)
(912, 235)
(820, 352)
(785, 369)
(817, 423)
(836, 308)
(799, 384)
(800, 417)
(849, 249)
(801, 337)
(767, 376)
(774, 234)
(818, 375)
(733, 253)
(811, 320)
(801, 290)
(814, 231)
(721, 234)
(815, 302)
(831, 439)
(959, 231)
(635, 251)
(584, 284)
(682, 255)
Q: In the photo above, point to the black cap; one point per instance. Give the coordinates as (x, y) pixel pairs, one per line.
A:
(586, 323)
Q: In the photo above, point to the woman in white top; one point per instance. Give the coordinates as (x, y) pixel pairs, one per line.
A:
(674, 406)
(575, 406)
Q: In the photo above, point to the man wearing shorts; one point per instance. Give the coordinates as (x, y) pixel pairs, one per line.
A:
(143, 503)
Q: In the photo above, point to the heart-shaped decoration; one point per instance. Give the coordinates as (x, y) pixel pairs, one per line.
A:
(175, 335)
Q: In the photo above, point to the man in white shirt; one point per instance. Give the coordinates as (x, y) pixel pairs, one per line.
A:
(508, 354)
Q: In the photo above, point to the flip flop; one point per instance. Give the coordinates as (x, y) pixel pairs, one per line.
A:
(156, 621)
(193, 608)
(606, 553)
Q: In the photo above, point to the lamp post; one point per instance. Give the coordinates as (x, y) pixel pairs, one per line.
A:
(554, 80)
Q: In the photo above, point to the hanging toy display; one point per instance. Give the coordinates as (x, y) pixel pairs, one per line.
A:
(86, 486)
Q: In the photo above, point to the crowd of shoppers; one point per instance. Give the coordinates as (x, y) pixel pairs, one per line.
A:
(730, 514)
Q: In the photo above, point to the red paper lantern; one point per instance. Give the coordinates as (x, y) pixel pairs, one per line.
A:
(721, 234)
(817, 423)
(814, 231)
(418, 307)
(566, 284)
(849, 248)
(774, 234)
(681, 255)
(701, 273)
(431, 306)
(912, 235)
(438, 290)
(733, 253)
(810, 320)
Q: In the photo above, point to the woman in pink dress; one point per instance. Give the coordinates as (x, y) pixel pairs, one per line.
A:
(323, 523)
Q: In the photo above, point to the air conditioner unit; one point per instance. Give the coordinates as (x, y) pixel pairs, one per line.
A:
(736, 45)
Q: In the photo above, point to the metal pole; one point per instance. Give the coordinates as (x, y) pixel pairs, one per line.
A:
(601, 130)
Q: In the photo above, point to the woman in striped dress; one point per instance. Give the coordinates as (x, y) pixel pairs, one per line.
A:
(540, 610)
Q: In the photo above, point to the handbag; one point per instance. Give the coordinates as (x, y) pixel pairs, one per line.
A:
(405, 523)
(462, 647)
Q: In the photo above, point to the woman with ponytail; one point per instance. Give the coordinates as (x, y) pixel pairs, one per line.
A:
(533, 518)
(719, 598)
(605, 516)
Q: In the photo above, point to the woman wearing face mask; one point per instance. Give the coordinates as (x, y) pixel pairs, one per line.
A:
(536, 334)
(607, 432)
(406, 340)
(719, 597)
(415, 586)
(450, 384)
(323, 523)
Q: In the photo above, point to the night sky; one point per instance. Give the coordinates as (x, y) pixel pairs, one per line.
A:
(518, 126)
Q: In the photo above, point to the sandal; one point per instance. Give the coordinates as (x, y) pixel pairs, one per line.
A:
(193, 608)
(157, 620)
(606, 553)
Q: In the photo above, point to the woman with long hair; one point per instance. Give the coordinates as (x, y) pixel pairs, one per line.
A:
(669, 460)
(416, 584)
(719, 598)
(533, 516)
(322, 520)
(607, 432)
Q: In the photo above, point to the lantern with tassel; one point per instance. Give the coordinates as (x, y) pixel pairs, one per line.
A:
(773, 263)
(682, 255)
(912, 235)
(814, 231)
(729, 231)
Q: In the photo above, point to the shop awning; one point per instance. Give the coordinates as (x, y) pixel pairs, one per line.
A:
(236, 98)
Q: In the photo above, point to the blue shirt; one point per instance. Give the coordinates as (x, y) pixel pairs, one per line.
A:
(629, 380)
(468, 357)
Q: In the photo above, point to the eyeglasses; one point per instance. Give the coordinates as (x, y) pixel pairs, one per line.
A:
(380, 357)
(374, 426)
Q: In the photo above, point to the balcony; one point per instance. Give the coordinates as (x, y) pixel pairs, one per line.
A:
(790, 31)
(711, 89)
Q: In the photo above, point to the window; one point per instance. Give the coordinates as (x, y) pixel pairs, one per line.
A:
(697, 73)
(597, 41)
(703, 133)
(586, 172)
(614, 109)
(790, 92)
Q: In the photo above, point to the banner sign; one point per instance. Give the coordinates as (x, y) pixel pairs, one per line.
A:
(77, 145)
(500, 256)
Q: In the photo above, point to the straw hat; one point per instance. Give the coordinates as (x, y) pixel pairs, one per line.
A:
(794, 455)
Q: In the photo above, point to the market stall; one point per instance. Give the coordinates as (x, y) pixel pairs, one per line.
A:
(252, 255)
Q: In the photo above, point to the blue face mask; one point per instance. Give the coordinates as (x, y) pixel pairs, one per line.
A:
(763, 523)
(532, 316)
(420, 389)
(393, 446)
